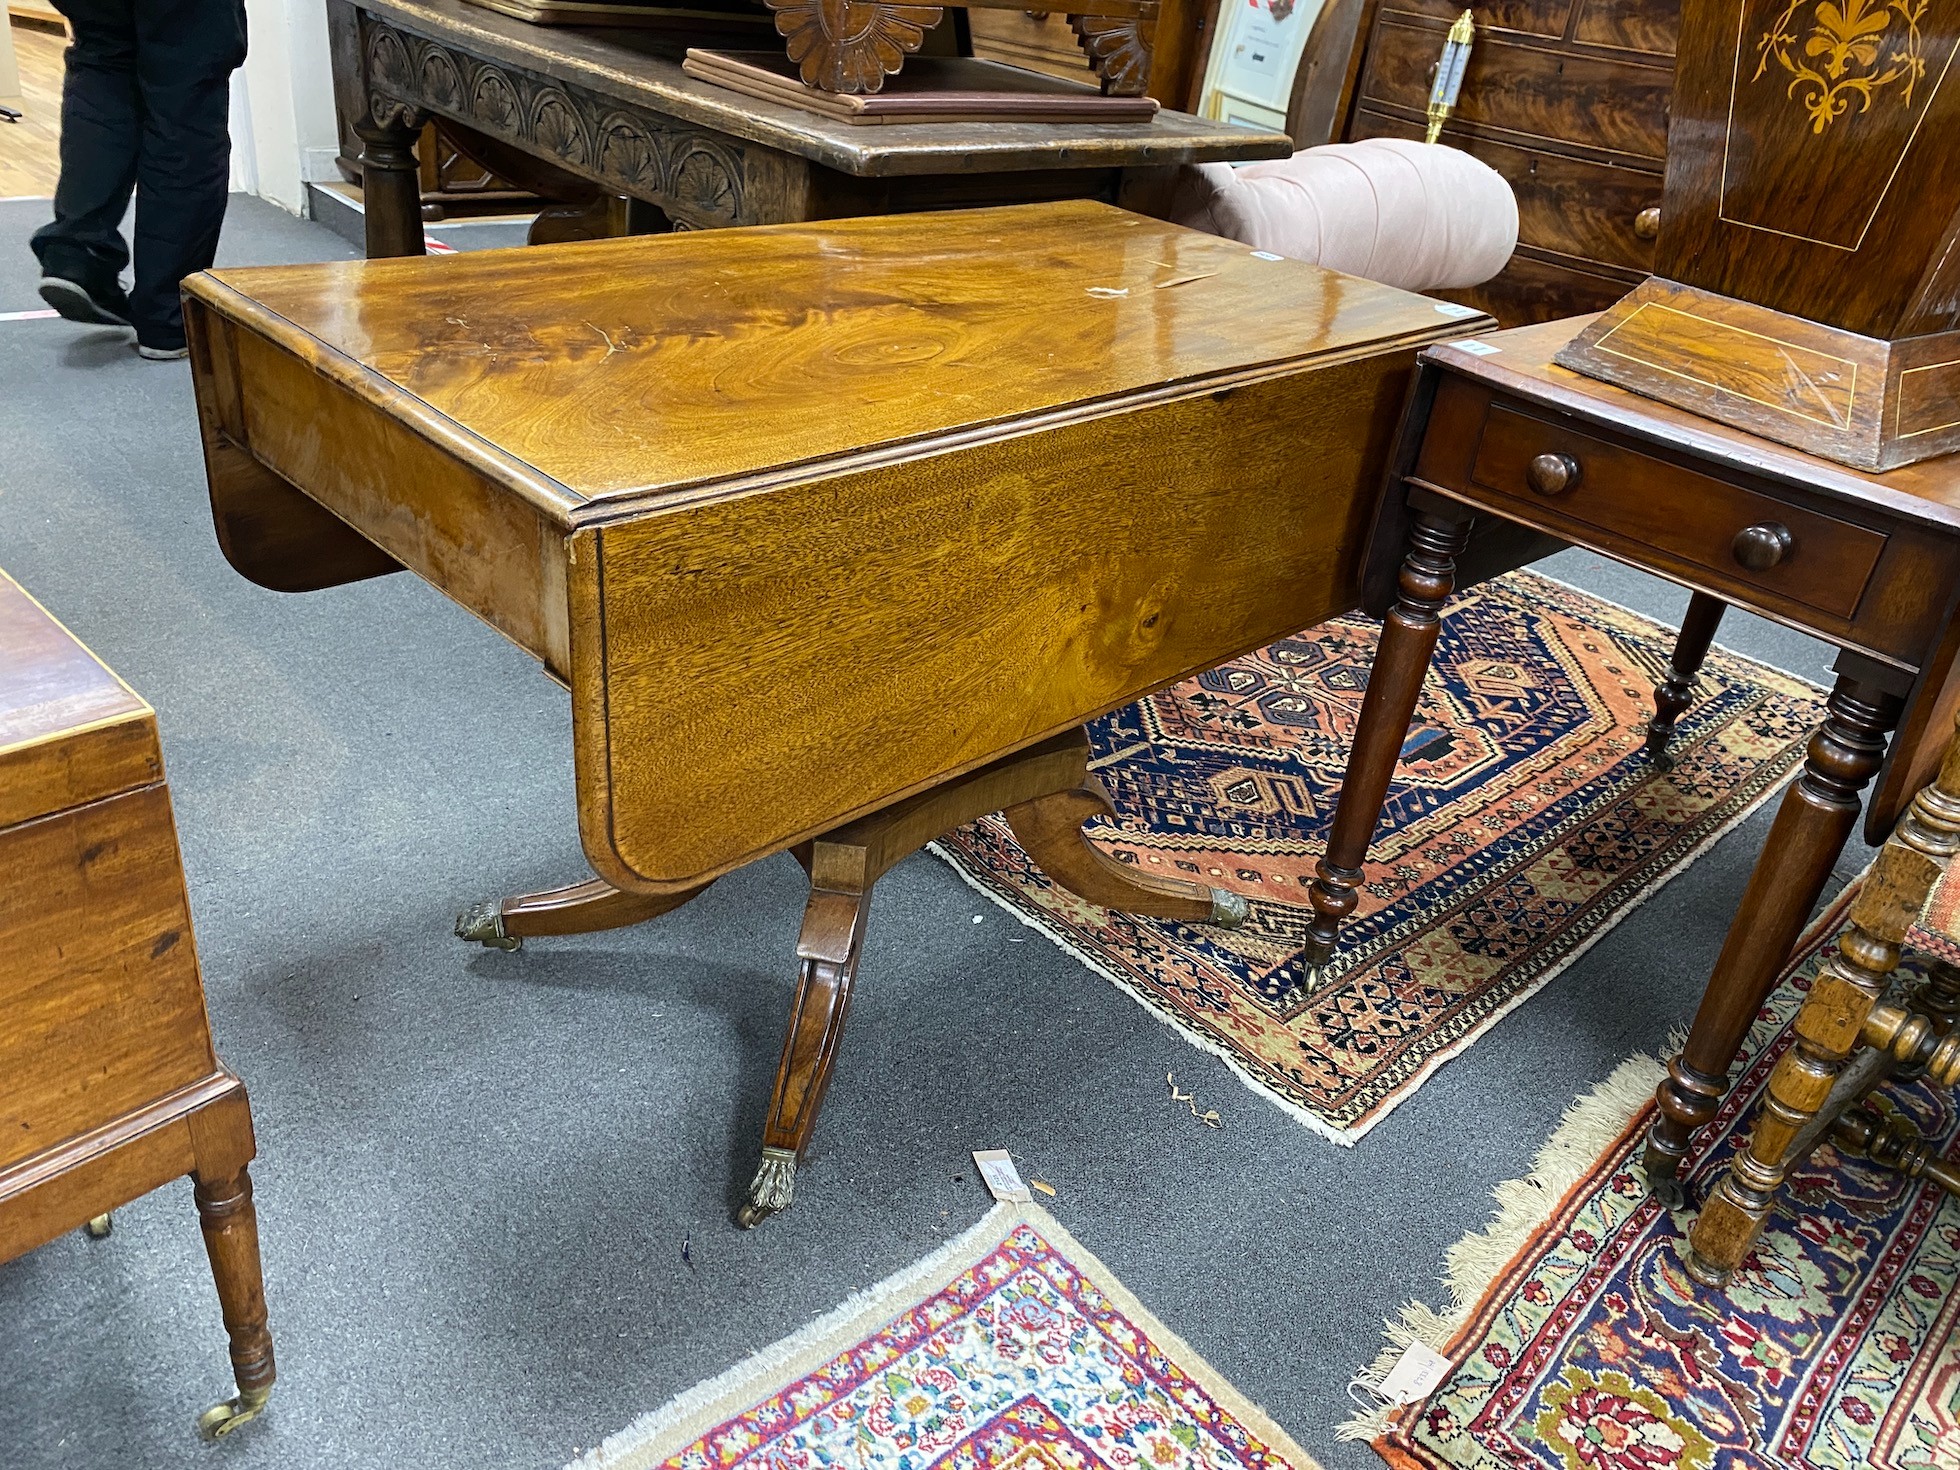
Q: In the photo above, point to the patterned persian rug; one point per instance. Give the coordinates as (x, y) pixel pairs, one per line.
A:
(1579, 1343)
(1525, 823)
(1012, 1348)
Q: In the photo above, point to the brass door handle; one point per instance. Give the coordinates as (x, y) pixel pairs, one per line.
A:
(1758, 548)
(1647, 223)
(1553, 474)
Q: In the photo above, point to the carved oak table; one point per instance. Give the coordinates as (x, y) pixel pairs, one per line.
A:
(1503, 440)
(607, 107)
(836, 533)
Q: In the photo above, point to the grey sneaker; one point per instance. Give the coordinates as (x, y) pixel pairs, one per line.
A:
(97, 303)
(161, 354)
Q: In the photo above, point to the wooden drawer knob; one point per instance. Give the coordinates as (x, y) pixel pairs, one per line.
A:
(1758, 548)
(1647, 224)
(1554, 474)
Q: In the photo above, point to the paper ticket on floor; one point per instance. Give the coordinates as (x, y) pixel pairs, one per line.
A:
(1002, 1179)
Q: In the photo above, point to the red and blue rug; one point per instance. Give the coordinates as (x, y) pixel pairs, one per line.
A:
(1012, 1348)
(1526, 821)
(1578, 1342)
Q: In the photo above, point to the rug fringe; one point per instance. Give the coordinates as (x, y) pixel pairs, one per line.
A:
(828, 1334)
(1474, 1263)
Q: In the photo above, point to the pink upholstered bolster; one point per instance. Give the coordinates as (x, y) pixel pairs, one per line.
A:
(1415, 215)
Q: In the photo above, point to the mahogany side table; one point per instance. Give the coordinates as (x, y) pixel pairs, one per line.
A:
(1504, 454)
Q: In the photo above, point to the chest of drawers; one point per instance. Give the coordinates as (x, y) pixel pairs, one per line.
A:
(1568, 100)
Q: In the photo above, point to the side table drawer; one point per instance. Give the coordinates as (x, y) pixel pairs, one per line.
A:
(1738, 535)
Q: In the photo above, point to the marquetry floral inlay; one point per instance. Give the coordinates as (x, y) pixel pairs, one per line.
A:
(1844, 52)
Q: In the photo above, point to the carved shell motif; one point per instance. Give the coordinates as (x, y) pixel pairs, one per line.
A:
(848, 45)
(1119, 48)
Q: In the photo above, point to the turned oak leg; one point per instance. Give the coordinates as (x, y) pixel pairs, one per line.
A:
(1676, 692)
(231, 1240)
(827, 952)
(1811, 825)
(1050, 829)
(391, 187)
(1394, 682)
(577, 908)
(1832, 1023)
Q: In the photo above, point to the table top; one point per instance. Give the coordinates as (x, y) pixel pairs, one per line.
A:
(1927, 492)
(644, 68)
(597, 378)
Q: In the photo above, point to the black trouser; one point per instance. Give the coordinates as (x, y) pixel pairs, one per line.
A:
(145, 107)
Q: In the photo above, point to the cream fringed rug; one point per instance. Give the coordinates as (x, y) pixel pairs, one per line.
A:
(1577, 1341)
(1011, 1348)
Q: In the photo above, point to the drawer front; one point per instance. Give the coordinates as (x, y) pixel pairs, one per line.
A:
(1589, 211)
(1629, 25)
(1822, 563)
(1531, 289)
(1042, 43)
(1539, 94)
(1545, 18)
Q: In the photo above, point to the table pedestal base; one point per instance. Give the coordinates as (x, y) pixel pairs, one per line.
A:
(1046, 793)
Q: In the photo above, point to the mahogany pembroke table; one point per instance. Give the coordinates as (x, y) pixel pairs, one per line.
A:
(837, 533)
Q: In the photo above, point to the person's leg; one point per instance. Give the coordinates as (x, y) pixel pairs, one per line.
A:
(81, 251)
(186, 53)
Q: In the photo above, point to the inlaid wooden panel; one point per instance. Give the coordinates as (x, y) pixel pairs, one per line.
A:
(1813, 168)
(88, 898)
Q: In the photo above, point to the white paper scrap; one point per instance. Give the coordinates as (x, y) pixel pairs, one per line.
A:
(1002, 1179)
(1455, 309)
(1414, 1376)
(1477, 349)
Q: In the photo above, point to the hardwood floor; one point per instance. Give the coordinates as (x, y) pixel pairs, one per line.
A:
(30, 148)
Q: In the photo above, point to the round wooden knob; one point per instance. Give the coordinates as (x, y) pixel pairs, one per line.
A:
(1647, 223)
(1761, 547)
(1552, 474)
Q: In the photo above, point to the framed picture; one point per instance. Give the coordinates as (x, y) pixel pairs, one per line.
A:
(1255, 54)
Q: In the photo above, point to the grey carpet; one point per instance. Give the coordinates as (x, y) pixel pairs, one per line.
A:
(478, 1171)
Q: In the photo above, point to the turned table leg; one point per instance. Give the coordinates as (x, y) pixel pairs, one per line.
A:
(231, 1239)
(1812, 823)
(1676, 692)
(391, 183)
(1408, 641)
(576, 908)
(1831, 1024)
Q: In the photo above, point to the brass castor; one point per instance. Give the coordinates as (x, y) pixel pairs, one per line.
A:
(483, 923)
(220, 1419)
(1229, 910)
(99, 1227)
(772, 1189)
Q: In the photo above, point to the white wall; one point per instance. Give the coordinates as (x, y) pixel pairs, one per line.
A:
(282, 103)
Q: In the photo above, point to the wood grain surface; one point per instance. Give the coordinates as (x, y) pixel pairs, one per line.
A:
(70, 730)
(846, 509)
(628, 370)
